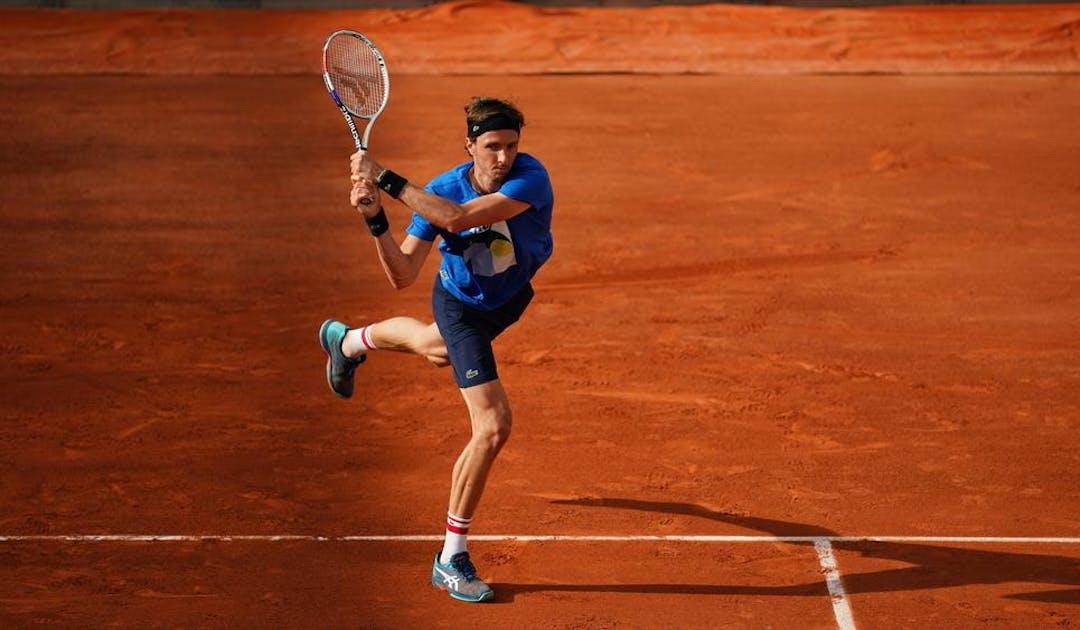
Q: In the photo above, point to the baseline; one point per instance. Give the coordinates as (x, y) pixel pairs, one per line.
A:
(1024, 540)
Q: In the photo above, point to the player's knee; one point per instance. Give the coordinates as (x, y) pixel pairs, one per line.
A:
(493, 439)
(492, 429)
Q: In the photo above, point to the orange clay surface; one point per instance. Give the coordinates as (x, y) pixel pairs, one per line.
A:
(779, 305)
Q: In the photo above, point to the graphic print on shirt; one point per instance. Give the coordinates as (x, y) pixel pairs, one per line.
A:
(491, 250)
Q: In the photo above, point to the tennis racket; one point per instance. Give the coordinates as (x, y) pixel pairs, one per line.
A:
(356, 77)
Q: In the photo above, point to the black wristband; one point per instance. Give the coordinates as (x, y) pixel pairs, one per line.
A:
(392, 183)
(378, 223)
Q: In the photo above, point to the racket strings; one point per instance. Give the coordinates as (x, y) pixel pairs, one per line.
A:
(356, 74)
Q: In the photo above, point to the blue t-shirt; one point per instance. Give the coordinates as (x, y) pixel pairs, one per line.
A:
(487, 265)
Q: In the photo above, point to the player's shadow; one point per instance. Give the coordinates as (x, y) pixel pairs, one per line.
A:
(931, 566)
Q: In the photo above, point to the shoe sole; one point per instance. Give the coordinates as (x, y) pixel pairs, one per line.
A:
(488, 596)
(322, 335)
(324, 342)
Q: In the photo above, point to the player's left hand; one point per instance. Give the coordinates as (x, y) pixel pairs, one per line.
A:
(363, 166)
(363, 191)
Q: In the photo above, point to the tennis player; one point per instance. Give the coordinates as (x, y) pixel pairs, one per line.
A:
(493, 216)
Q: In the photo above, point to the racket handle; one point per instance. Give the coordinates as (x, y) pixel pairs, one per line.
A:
(361, 146)
(364, 200)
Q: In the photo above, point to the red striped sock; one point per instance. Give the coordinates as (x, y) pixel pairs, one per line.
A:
(457, 532)
(365, 338)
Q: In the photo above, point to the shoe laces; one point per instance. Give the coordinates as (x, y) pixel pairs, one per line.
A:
(463, 565)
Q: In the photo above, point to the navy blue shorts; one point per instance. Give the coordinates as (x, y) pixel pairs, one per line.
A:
(468, 332)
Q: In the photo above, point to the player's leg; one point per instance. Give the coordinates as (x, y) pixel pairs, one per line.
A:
(489, 414)
(490, 417)
(468, 334)
(401, 334)
(346, 348)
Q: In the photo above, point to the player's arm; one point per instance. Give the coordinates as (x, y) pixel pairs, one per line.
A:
(439, 211)
(402, 263)
(454, 217)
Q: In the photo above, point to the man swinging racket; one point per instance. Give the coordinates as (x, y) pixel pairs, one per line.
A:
(494, 216)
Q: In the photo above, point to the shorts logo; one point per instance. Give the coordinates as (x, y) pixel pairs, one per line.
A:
(471, 374)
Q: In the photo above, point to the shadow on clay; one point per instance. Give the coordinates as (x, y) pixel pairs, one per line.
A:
(932, 566)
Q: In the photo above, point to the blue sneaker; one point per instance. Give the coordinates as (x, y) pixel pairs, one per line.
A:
(339, 368)
(459, 579)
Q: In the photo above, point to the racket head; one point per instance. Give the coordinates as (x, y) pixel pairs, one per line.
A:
(355, 74)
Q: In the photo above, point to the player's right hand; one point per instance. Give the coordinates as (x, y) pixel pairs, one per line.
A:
(363, 166)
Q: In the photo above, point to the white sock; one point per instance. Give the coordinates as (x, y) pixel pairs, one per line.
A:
(365, 338)
(359, 343)
(457, 532)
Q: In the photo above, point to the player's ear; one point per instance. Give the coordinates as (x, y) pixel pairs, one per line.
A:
(470, 146)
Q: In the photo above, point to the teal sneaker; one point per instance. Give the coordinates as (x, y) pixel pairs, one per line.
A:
(459, 579)
(339, 368)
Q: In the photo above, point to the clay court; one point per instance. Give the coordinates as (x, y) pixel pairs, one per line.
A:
(807, 354)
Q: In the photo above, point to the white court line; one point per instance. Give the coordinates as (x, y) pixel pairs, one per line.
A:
(822, 544)
(841, 609)
(1027, 540)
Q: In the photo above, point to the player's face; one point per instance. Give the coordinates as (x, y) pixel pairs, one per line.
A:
(493, 154)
